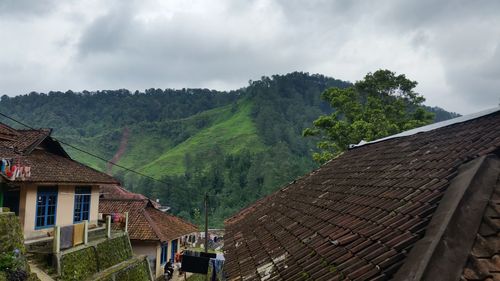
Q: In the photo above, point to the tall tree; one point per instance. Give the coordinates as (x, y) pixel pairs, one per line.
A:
(381, 104)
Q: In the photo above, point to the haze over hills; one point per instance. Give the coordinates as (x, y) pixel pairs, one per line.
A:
(238, 146)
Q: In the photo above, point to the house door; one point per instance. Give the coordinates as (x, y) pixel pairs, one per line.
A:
(11, 200)
(174, 249)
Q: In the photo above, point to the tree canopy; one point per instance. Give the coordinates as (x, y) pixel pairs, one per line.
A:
(380, 105)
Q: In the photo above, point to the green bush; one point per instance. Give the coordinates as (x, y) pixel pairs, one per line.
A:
(7, 261)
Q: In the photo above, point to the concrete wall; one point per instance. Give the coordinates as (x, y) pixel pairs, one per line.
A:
(64, 212)
(94, 205)
(152, 250)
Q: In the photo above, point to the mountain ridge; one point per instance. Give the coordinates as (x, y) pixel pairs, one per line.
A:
(238, 146)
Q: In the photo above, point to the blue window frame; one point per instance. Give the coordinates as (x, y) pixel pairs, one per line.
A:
(164, 253)
(46, 206)
(82, 203)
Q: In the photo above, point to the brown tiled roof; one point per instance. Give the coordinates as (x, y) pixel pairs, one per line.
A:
(114, 191)
(356, 217)
(483, 262)
(49, 163)
(146, 222)
(169, 226)
(21, 140)
(52, 168)
(139, 227)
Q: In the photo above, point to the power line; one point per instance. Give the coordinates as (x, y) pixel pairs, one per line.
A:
(86, 152)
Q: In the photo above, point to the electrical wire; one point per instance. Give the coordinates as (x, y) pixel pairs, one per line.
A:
(86, 152)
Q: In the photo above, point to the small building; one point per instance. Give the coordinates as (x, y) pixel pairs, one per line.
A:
(152, 232)
(420, 205)
(42, 184)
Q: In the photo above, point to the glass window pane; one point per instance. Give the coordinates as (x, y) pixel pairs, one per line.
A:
(46, 206)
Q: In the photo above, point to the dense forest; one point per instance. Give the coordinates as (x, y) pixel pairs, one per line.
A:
(238, 146)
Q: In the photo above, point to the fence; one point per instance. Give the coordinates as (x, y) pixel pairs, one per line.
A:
(77, 234)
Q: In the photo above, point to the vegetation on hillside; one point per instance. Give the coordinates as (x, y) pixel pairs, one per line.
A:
(238, 146)
(380, 105)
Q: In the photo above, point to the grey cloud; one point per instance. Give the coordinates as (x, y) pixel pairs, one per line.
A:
(450, 47)
(117, 47)
(25, 8)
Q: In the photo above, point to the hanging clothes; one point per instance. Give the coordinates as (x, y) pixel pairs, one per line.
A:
(78, 234)
(214, 272)
(66, 237)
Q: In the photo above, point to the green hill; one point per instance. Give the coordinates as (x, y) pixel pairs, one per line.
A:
(238, 146)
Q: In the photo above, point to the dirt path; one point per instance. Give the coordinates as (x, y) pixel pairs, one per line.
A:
(121, 150)
(40, 273)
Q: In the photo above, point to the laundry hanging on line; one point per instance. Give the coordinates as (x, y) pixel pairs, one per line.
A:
(13, 171)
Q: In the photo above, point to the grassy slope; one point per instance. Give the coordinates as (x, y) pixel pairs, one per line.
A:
(91, 145)
(231, 132)
(230, 128)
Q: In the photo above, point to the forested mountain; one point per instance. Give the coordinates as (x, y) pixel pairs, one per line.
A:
(238, 146)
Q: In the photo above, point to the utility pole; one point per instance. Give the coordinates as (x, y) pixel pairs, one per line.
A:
(206, 222)
(206, 228)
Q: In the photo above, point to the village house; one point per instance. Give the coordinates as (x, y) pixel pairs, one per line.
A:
(43, 185)
(420, 205)
(152, 232)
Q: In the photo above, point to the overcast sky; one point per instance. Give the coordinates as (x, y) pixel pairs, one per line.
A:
(452, 48)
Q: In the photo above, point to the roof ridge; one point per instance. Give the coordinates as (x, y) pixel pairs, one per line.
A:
(152, 224)
(38, 141)
(170, 215)
(437, 252)
(431, 127)
(9, 128)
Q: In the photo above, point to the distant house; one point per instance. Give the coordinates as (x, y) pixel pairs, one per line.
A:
(420, 205)
(43, 185)
(152, 232)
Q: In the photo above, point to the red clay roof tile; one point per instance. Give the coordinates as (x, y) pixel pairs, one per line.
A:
(367, 207)
(47, 159)
(146, 222)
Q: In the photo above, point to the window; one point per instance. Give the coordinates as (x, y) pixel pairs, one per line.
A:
(82, 204)
(164, 252)
(46, 205)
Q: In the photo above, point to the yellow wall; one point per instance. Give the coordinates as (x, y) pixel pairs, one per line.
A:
(159, 268)
(64, 212)
(65, 205)
(94, 205)
(152, 249)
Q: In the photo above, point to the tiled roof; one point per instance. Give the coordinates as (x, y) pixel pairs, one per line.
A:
(483, 262)
(169, 226)
(358, 216)
(21, 140)
(139, 228)
(146, 222)
(48, 161)
(52, 168)
(114, 191)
